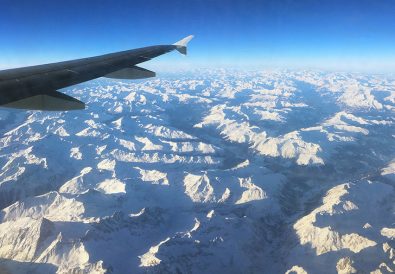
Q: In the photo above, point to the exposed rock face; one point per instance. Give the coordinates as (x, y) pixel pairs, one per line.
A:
(208, 172)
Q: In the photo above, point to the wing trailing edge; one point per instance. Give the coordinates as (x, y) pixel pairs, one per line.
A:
(53, 101)
(134, 72)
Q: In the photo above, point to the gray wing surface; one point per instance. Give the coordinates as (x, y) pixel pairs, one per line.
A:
(36, 87)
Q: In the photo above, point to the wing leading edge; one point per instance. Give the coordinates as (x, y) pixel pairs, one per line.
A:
(35, 87)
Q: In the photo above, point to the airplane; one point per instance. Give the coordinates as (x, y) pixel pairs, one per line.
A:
(35, 87)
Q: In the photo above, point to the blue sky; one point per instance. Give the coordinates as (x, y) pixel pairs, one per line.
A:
(329, 34)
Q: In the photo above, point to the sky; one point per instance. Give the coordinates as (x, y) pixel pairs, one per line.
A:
(321, 34)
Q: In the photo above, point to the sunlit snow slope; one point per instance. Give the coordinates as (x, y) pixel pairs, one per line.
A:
(216, 171)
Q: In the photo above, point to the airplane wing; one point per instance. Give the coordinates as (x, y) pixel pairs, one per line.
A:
(36, 87)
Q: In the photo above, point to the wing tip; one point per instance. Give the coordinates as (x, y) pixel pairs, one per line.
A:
(184, 42)
(181, 46)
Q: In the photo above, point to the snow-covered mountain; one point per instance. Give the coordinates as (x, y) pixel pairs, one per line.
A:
(210, 171)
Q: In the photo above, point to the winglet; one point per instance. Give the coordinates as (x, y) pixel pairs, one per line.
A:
(181, 45)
